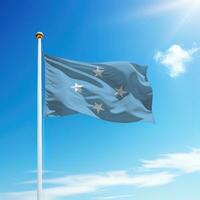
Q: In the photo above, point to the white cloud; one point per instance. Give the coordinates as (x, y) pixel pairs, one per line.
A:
(44, 171)
(114, 178)
(28, 195)
(89, 183)
(112, 197)
(185, 162)
(175, 59)
(157, 172)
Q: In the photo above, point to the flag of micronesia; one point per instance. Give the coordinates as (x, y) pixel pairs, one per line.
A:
(113, 91)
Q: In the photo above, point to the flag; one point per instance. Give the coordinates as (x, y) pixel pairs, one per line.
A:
(113, 91)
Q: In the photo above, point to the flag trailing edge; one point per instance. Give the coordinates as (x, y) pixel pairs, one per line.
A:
(113, 91)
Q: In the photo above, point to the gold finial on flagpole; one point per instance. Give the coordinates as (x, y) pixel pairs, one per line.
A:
(39, 35)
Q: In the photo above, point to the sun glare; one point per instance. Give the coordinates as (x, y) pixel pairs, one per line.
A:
(194, 4)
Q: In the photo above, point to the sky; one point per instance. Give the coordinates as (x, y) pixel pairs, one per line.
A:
(88, 158)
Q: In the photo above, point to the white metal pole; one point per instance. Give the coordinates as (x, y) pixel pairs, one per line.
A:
(39, 36)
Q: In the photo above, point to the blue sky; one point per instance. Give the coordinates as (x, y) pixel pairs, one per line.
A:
(86, 158)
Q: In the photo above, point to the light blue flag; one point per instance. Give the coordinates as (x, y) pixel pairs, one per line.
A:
(114, 91)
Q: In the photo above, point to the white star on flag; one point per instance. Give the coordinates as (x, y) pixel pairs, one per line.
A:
(98, 72)
(77, 87)
(120, 92)
(98, 107)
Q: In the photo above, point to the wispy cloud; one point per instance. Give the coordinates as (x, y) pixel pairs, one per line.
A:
(44, 171)
(175, 59)
(161, 171)
(185, 162)
(112, 197)
(89, 183)
(27, 195)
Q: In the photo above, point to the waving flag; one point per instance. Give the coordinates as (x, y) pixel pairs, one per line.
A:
(114, 91)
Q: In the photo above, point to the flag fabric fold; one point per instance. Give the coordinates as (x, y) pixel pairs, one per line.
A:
(113, 91)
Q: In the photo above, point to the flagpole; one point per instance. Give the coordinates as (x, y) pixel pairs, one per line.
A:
(39, 36)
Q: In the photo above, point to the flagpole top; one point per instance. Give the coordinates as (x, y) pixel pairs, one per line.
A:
(39, 35)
